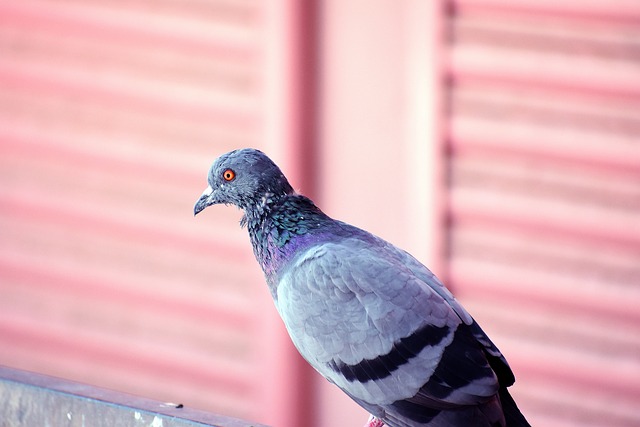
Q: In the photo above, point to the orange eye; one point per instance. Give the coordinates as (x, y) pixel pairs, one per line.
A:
(228, 175)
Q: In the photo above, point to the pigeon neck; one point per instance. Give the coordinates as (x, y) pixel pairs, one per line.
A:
(279, 229)
(257, 211)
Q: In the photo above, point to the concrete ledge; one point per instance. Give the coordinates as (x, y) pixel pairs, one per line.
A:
(28, 399)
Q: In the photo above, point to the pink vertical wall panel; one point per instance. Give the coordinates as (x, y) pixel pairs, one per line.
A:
(544, 205)
(110, 115)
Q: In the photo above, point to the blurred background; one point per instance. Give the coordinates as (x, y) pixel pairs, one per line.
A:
(495, 140)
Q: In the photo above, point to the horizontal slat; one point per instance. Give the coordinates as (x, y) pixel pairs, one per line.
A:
(147, 358)
(573, 221)
(122, 26)
(564, 405)
(152, 194)
(98, 219)
(608, 370)
(615, 155)
(532, 250)
(520, 173)
(523, 32)
(549, 395)
(34, 344)
(616, 11)
(555, 328)
(542, 344)
(556, 398)
(480, 67)
(82, 87)
(507, 50)
(130, 132)
(536, 287)
(103, 58)
(95, 255)
(532, 107)
(98, 68)
(31, 147)
(130, 295)
(149, 185)
(220, 342)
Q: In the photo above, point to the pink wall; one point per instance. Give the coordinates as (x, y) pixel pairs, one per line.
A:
(495, 140)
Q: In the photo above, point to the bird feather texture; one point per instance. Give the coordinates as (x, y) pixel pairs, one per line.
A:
(365, 314)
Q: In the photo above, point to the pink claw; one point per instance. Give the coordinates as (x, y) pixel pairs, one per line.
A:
(374, 422)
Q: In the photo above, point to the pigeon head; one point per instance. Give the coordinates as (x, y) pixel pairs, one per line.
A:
(246, 178)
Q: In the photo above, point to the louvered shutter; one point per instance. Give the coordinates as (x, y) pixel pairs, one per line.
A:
(110, 115)
(544, 206)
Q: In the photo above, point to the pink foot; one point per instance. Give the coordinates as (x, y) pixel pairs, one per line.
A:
(374, 422)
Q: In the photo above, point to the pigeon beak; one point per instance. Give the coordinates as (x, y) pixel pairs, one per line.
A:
(204, 201)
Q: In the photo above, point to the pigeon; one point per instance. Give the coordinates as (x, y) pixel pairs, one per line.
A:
(368, 316)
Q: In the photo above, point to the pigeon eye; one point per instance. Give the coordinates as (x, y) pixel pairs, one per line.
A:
(228, 175)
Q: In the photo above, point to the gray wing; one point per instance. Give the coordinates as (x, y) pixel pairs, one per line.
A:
(366, 321)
